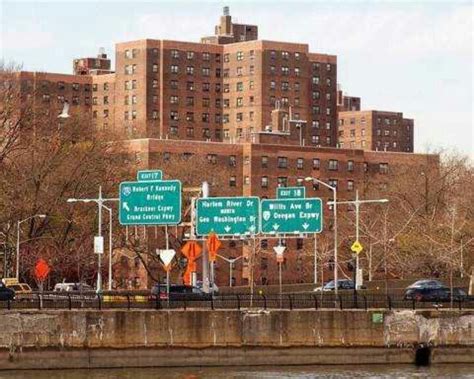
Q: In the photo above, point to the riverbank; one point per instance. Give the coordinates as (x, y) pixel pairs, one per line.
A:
(146, 338)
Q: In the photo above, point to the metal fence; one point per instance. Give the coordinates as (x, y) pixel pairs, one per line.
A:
(313, 301)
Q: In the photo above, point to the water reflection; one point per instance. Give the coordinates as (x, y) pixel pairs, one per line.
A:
(304, 372)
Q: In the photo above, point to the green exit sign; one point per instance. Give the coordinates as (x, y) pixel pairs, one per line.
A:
(291, 192)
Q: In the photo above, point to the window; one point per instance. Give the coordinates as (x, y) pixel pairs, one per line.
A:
(297, 103)
(206, 56)
(46, 98)
(328, 96)
(251, 70)
(155, 83)
(190, 54)
(285, 86)
(174, 115)
(297, 86)
(315, 79)
(134, 99)
(315, 139)
(212, 158)
(174, 54)
(134, 114)
(225, 118)
(239, 117)
(190, 70)
(315, 124)
(272, 69)
(128, 54)
(218, 75)
(190, 101)
(75, 86)
(328, 82)
(240, 71)
(285, 70)
(155, 67)
(174, 99)
(173, 130)
(316, 163)
(190, 86)
(272, 84)
(383, 168)
(94, 114)
(282, 181)
(350, 166)
(252, 54)
(232, 161)
(264, 161)
(297, 71)
(332, 183)
(206, 133)
(379, 132)
(226, 103)
(189, 131)
(239, 86)
(285, 101)
(239, 102)
(350, 185)
(226, 57)
(205, 117)
(251, 84)
(316, 109)
(134, 84)
(282, 162)
(251, 117)
(240, 55)
(386, 132)
(232, 181)
(333, 165)
(190, 116)
(251, 100)
(328, 111)
(125, 115)
(206, 87)
(362, 132)
(299, 163)
(206, 71)
(328, 67)
(285, 55)
(264, 182)
(206, 102)
(94, 87)
(174, 69)
(315, 95)
(328, 125)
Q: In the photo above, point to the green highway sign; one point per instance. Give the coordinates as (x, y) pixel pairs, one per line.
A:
(291, 192)
(149, 175)
(150, 203)
(227, 216)
(280, 216)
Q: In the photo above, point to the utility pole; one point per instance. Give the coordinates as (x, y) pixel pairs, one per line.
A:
(100, 203)
(357, 203)
(205, 257)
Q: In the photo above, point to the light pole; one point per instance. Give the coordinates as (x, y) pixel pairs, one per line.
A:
(100, 203)
(231, 262)
(110, 246)
(334, 192)
(357, 203)
(18, 242)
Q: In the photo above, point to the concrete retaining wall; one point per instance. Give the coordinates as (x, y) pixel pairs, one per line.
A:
(115, 338)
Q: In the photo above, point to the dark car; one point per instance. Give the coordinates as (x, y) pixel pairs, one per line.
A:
(6, 293)
(179, 292)
(433, 290)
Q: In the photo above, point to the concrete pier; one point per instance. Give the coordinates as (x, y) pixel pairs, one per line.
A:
(146, 338)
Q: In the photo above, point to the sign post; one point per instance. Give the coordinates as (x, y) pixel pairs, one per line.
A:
(290, 216)
(192, 251)
(213, 244)
(227, 216)
(279, 250)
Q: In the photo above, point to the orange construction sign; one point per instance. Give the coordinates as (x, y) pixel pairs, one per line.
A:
(213, 244)
(192, 251)
(42, 270)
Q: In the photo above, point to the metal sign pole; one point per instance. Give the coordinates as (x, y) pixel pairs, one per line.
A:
(99, 263)
(167, 269)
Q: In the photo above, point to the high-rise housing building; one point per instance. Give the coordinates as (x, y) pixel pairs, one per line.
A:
(263, 114)
(375, 130)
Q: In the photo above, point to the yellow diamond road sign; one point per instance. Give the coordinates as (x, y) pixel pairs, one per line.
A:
(356, 247)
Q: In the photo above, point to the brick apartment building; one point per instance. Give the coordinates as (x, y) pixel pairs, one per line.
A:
(260, 114)
(376, 131)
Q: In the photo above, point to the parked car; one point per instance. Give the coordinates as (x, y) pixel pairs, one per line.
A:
(432, 290)
(179, 292)
(6, 293)
(199, 285)
(342, 284)
(73, 287)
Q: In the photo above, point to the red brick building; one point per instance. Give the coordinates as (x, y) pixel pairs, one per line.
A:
(376, 130)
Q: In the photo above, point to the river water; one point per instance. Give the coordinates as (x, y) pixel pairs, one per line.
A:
(304, 372)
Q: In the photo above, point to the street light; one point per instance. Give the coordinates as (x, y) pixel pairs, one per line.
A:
(357, 203)
(18, 242)
(334, 192)
(110, 245)
(100, 204)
